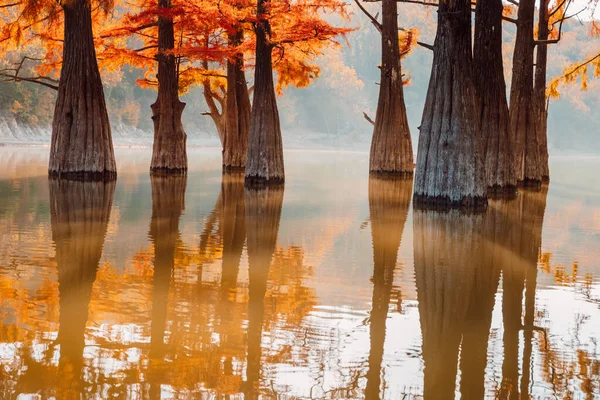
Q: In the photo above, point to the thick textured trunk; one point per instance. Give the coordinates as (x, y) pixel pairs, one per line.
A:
(539, 90)
(389, 201)
(391, 146)
(522, 111)
(491, 93)
(81, 138)
(264, 162)
(263, 213)
(79, 214)
(449, 253)
(237, 111)
(450, 161)
(169, 150)
(168, 202)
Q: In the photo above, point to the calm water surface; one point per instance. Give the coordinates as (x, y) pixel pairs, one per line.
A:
(330, 288)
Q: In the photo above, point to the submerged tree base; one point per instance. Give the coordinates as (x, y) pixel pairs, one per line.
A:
(502, 192)
(164, 171)
(545, 179)
(105, 176)
(531, 183)
(258, 182)
(473, 203)
(230, 169)
(392, 174)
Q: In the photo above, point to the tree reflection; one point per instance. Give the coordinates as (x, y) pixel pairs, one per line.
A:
(389, 201)
(79, 214)
(168, 203)
(263, 213)
(449, 256)
(519, 272)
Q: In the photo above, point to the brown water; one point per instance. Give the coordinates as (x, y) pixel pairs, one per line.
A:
(332, 287)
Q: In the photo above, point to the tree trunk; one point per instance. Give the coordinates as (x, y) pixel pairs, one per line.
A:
(168, 202)
(450, 161)
(237, 111)
(81, 138)
(389, 201)
(539, 90)
(522, 110)
(264, 162)
(491, 93)
(391, 146)
(79, 213)
(263, 213)
(449, 251)
(169, 151)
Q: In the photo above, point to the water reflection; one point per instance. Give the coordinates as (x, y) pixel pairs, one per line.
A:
(206, 289)
(389, 201)
(263, 213)
(79, 215)
(168, 202)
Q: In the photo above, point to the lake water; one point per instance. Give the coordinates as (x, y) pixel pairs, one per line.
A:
(330, 288)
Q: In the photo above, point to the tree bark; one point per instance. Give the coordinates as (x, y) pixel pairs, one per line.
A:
(169, 150)
(81, 146)
(237, 111)
(389, 201)
(264, 162)
(79, 214)
(539, 90)
(263, 213)
(450, 160)
(168, 203)
(391, 146)
(522, 110)
(491, 93)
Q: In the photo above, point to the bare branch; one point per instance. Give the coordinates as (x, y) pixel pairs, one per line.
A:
(372, 18)
(368, 118)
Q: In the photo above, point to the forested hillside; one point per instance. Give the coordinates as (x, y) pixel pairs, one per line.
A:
(329, 112)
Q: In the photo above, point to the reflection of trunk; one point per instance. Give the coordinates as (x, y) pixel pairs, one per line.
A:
(233, 229)
(168, 202)
(79, 214)
(473, 360)
(263, 213)
(534, 208)
(522, 113)
(169, 152)
(233, 232)
(539, 90)
(389, 200)
(523, 245)
(81, 138)
(237, 110)
(491, 93)
(265, 148)
(448, 256)
(450, 168)
(391, 147)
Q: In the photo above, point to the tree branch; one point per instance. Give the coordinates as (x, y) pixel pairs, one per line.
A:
(372, 18)
(368, 118)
